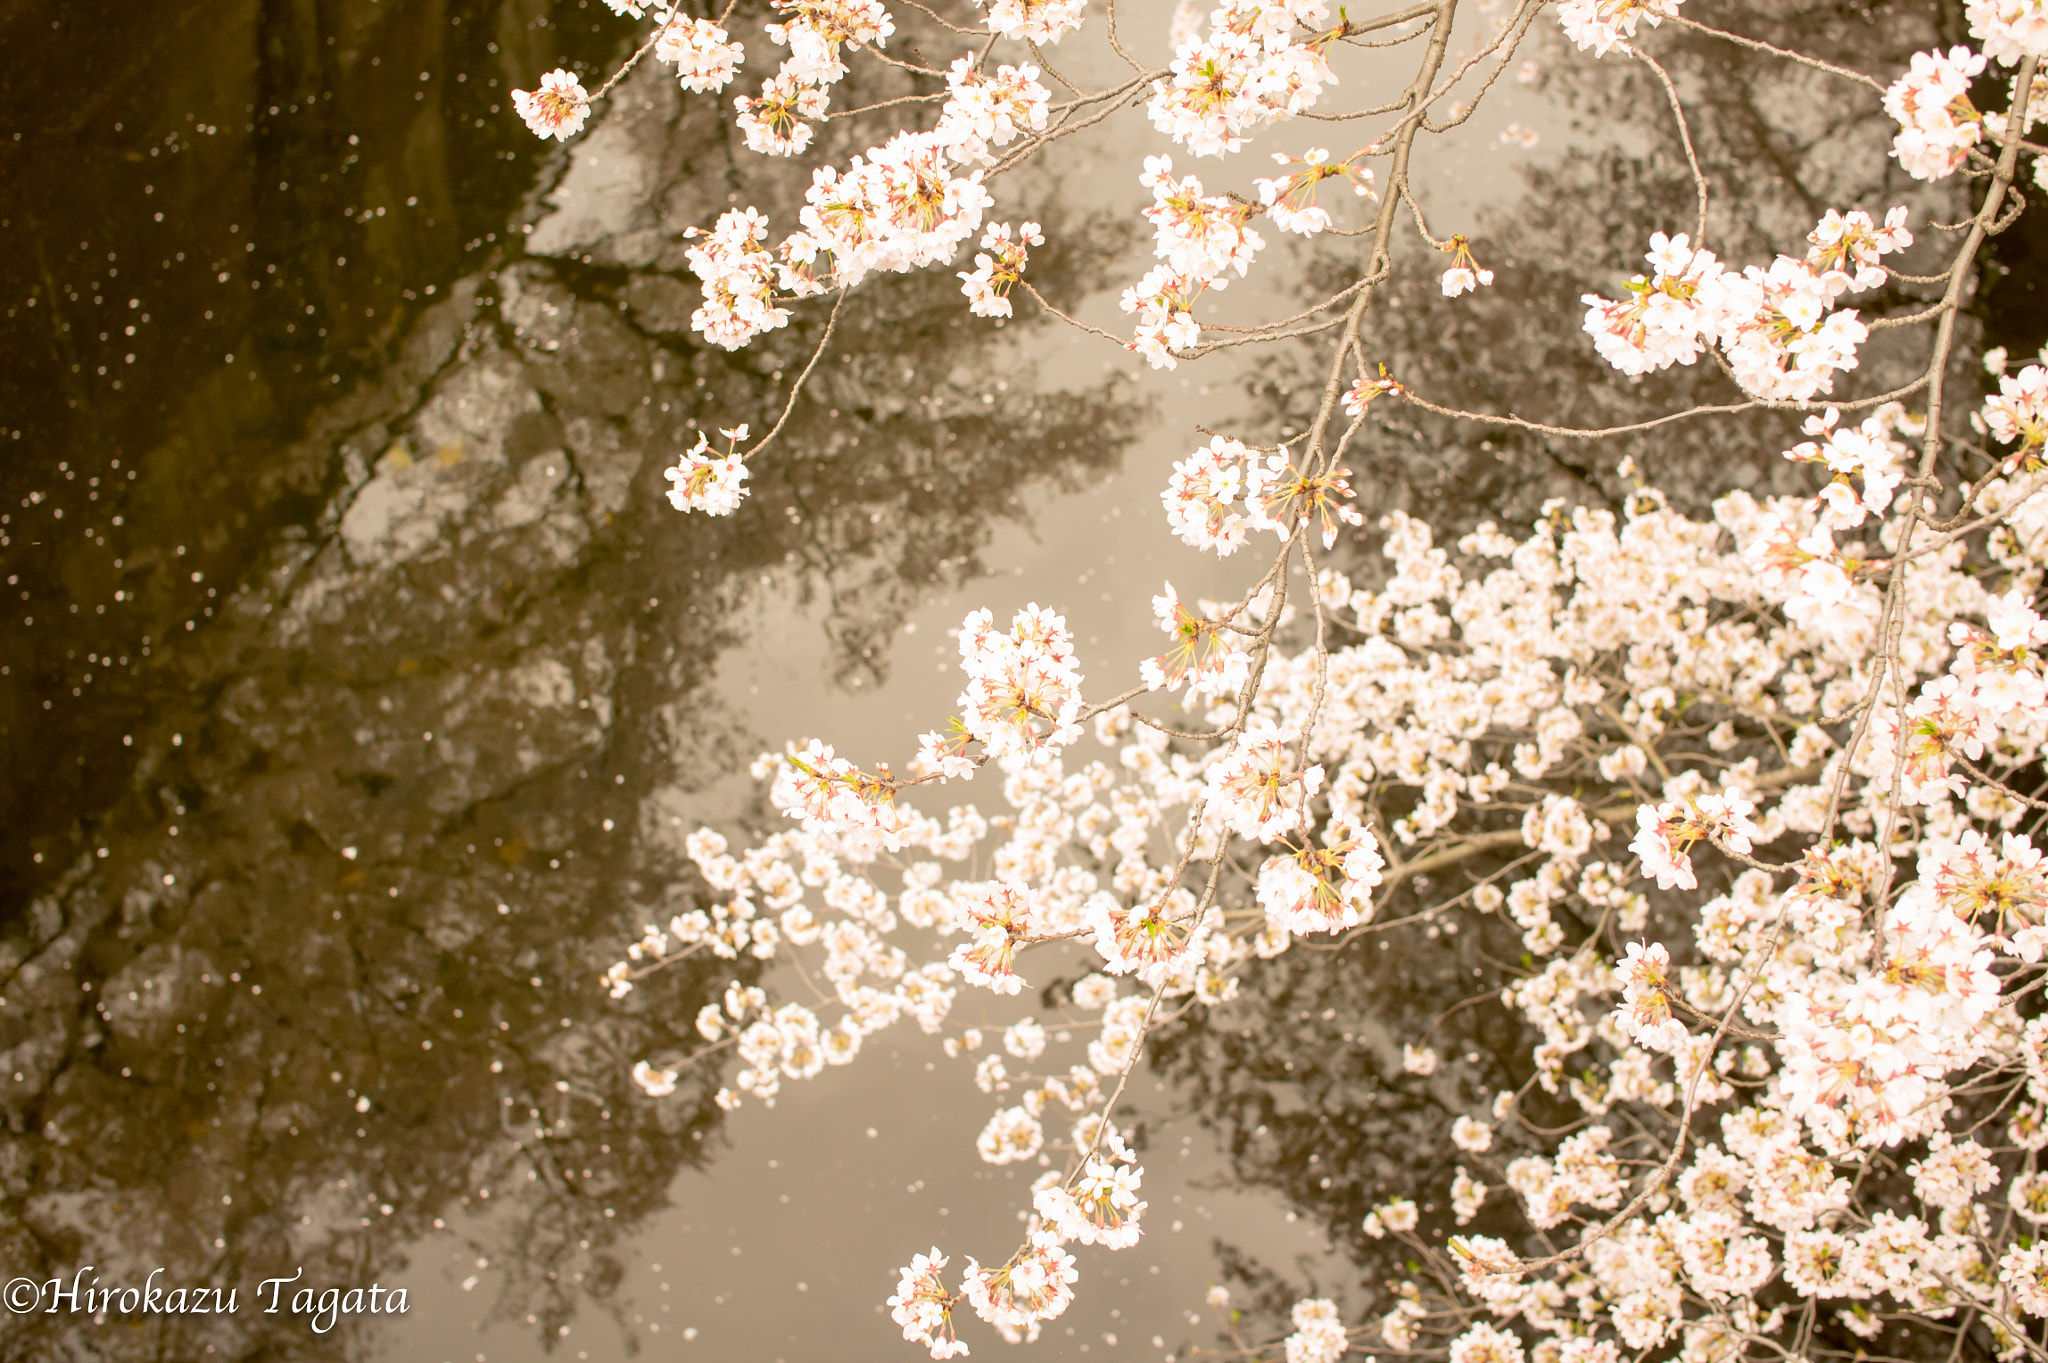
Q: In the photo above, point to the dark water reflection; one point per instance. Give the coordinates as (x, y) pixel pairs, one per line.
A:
(308, 959)
(301, 907)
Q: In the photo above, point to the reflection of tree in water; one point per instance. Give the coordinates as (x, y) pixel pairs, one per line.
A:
(1302, 1078)
(268, 181)
(336, 970)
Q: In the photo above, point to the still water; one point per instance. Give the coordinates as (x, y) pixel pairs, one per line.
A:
(358, 684)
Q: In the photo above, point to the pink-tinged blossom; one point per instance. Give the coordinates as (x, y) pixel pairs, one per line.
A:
(2019, 412)
(999, 266)
(829, 794)
(708, 482)
(1600, 24)
(924, 1308)
(1163, 301)
(775, 120)
(1666, 833)
(898, 209)
(1941, 724)
(1931, 103)
(1844, 249)
(1001, 920)
(1667, 317)
(1315, 889)
(1023, 688)
(555, 110)
(1465, 274)
(705, 61)
(1280, 498)
(1661, 848)
(1777, 330)
(1363, 390)
(1152, 939)
(1034, 1287)
(1645, 1011)
(1102, 1209)
(1231, 82)
(1196, 235)
(1201, 498)
(2010, 30)
(941, 755)
(1204, 653)
(1257, 788)
(1290, 200)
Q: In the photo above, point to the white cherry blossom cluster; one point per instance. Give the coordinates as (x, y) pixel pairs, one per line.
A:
(1023, 692)
(2010, 30)
(897, 209)
(557, 109)
(1779, 332)
(1598, 25)
(1035, 21)
(1247, 70)
(704, 61)
(1203, 497)
(1164, 302)
(739, 273)
(998, 266)
(1667, 317)
(1866, 461)
(983, 111)
(777, 122)
(1931, 103)
(818, 30)
(708, 482)
(1778, 327)
(1319, 1335)
(1557, 660)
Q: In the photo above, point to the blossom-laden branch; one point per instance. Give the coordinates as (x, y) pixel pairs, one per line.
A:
(1827, 750)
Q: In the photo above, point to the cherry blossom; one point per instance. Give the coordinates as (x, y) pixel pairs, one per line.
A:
(1465, 274)
(1600, 24)
(2010, 30)
(998, 267)
(707, 482)
(1017, 1297)
(1931, 103)
(1290, 200)
(923, 1307)
(1102, 1209)
(705, 61)
(557, 109)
